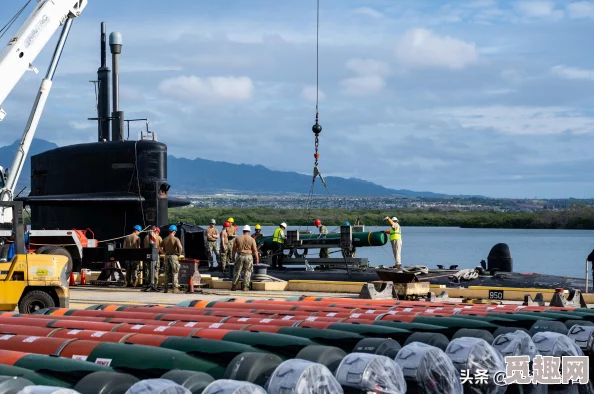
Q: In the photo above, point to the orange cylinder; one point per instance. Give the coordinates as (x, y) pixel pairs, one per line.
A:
(13, 329)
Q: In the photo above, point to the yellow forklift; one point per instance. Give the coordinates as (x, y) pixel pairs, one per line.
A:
(31, 281)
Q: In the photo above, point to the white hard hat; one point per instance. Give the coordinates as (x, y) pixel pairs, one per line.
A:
(394, 219)
(212, 221)
(247, 228)
(283, 224)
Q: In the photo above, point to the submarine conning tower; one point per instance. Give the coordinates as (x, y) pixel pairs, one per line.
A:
(106, 186)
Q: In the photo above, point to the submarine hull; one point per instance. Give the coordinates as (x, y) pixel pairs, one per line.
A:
(107, 187)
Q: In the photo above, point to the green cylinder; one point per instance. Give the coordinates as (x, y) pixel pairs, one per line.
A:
(559, 316)
(421, 327)
(368, 330)
(218, 352)
(454, 323)
(38, 379)
(520, 320)
(368, 238)
(65, 370)
(284, 346)
(148, 362)
(341, 339)
(500, 321)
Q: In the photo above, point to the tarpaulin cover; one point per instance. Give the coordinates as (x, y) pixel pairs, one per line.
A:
(555, 344)
(157, 386)
(583, 336)
(474, 354)
(227, 386)
(371, 372)
(302, 377)
(517, 343)
(47, 390)
(429, 368)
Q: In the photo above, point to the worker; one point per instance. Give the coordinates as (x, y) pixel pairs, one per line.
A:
(324, 252)
(231, 233)
(212, 235)
(278, 239)
(225, 247)
(395, 239)
(590, 259)
(244, 250)
(155, 231)
(132, 241)
(258, 233)
(173, 249)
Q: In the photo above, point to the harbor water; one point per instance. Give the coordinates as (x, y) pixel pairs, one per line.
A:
(555, 252)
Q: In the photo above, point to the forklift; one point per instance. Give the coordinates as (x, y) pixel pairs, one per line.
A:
(31, 281)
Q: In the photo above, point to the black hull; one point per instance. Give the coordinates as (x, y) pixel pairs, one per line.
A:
(437, 277)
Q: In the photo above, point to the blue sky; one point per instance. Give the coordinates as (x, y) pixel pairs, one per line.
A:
(463, 97)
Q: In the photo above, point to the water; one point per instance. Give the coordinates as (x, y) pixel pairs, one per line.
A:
(555, 252)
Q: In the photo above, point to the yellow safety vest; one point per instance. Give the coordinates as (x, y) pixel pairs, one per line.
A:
(394, 235)
(277, 236)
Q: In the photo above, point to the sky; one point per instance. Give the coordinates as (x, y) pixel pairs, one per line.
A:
(486, 97)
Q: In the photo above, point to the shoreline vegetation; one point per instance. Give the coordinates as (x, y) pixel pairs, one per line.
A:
(577, 217)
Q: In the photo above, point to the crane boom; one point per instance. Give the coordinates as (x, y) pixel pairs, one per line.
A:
(18, 56)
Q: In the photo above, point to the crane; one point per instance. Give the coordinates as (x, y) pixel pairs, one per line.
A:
(16, 58)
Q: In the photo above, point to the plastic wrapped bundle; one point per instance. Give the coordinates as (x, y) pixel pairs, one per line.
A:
(157, 386)
(428, 370)
(228, 386)
(367, 372)
(13, 384)
(583, 336)
(474, 354)
(297, 376)
(556, 345)
(517, 343)
(47, 390)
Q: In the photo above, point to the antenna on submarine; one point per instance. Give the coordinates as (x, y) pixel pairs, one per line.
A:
(102, 92)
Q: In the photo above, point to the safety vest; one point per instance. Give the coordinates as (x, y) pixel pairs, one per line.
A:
(395, 234)
(277, 236)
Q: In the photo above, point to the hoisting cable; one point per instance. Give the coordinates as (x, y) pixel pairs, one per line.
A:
(317, 127)
(12, 20)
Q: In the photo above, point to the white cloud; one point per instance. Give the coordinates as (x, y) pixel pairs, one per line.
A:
(369, 12)
(81, 125)
(573, 73)
(422, 48)
(309, 93)
(364, 85)
(520, 120)
(371, 77)
(537, 8)
(368, 67)
(580, 9)
(480, 4)
(210, 88)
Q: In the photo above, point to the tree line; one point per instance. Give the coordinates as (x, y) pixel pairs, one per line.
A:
(578, 216)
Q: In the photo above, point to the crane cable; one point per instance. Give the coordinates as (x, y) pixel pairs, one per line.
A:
(316, 128)
(12, 20)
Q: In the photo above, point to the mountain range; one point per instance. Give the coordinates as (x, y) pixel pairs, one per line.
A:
(200, 176)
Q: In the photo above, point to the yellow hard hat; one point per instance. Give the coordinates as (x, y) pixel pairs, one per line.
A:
(258, 227)
(230, 220)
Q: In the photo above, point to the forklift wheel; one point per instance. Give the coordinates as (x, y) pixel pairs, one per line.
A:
(34, 301)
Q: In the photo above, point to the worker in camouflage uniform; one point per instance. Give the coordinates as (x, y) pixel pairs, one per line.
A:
(132, 241)
(147, 265)
(231, 235)
(173, 249)
(212, 235)
(324, 252)
(244, 248)
(226, 247)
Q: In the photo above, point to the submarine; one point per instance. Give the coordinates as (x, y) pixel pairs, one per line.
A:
(107, 186)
